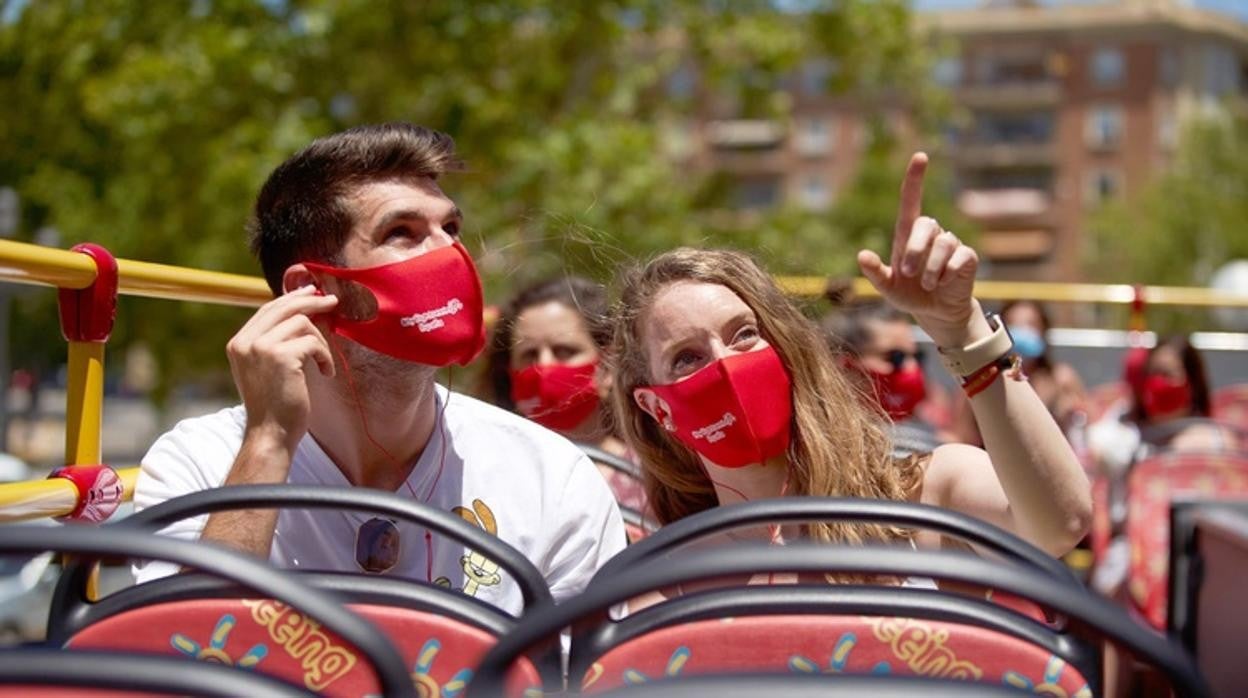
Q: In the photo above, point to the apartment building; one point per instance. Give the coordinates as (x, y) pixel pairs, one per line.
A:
(1058, 108)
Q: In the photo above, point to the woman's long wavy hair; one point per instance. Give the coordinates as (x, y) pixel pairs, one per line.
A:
(839, 446)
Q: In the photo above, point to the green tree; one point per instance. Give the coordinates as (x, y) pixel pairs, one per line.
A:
(1184, 224)
(148, 127)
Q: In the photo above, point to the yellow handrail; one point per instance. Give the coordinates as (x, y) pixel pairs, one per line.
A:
(24, 263)
(32, 264)
(1120, 294)
(40, 499)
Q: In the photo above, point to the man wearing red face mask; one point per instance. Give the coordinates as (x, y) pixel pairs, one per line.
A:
(374, 294)
(876, 342)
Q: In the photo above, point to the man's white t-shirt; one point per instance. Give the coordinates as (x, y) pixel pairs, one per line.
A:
(535, 489)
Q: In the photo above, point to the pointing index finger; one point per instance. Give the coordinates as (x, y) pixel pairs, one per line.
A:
(911, 206)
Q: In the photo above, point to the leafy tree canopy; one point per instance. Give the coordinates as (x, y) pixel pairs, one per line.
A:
(148, 127)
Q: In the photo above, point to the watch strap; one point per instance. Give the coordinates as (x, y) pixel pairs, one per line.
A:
(965, 361)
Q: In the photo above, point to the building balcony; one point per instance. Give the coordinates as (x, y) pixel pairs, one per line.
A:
(1016, 245)
(1016, 203)
(745, 134)
(1005, 154)
(1010, 95)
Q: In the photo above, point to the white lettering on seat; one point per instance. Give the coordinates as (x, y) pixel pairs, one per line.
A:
(715, 432)
(431, 320)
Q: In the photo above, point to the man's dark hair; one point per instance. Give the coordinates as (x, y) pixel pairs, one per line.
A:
(301, 213)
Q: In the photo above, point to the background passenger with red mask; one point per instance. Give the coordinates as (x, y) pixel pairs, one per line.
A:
(876, 342)
(1169, 409)
(547, 362)
(1056, 383)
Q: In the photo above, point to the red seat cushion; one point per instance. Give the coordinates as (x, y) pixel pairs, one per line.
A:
(1230, 405)
(836, 644)
(275, 639)
(1152, 485)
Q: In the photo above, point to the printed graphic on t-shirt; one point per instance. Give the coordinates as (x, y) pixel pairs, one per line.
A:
(479, 571)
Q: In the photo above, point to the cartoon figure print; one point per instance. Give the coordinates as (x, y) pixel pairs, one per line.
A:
(479, 571)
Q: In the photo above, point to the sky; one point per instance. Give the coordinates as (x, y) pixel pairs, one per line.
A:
(1237, 8)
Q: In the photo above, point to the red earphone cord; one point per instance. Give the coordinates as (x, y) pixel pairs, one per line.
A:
(441, 425)
(774, 528)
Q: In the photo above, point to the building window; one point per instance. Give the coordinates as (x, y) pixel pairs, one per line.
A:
(814, 194)
(1102, 186)
(815, 77)
(1103, 130)
(947, 72)
(757, 192)
(1013, 127)
(1109, 67)
(1221, 71)
(1168, 72)
(814, 137)
(681, 83)
(1168, 130)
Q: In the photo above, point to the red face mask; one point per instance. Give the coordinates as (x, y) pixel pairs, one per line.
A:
(1162, 396)
(557, 396)
(735, 411)
(899, 392)
(429, 308)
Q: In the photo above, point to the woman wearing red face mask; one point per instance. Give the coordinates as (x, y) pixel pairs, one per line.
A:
(1169, 410)
(545, 362)
(727, 393)
(875, 341)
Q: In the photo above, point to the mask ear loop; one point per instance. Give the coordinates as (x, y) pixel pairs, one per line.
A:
(441, 425)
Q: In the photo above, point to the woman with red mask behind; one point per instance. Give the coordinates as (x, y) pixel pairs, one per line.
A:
(546, 363)
(876, 342)
(1168, 411)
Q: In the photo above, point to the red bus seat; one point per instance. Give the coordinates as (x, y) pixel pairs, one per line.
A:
(844, 645)
(439, 631)
(1151, 486)
(273, 638)
(1230, 405)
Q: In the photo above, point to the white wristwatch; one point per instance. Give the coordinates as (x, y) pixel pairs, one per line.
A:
(994, 348)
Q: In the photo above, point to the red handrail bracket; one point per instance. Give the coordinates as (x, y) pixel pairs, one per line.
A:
(99, 491)
(87, 314)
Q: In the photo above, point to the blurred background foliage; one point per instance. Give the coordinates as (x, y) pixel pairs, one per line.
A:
(1184, 225)
(148, 127)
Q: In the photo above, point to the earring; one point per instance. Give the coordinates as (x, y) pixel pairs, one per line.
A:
(666, 420)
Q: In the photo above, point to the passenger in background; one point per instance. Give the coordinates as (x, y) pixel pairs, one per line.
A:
(876, 342)
(1056, 382)
(1169, 410)
(546, 363)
